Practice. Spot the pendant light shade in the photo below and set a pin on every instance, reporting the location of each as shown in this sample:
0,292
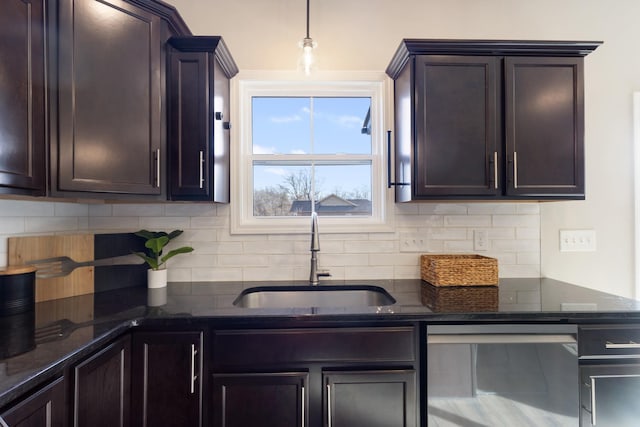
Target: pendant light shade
307,61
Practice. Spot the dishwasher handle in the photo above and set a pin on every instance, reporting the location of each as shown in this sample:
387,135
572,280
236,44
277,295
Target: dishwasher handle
501,339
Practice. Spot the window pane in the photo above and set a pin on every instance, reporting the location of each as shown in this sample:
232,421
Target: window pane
281,125
277,186
287,190
341,126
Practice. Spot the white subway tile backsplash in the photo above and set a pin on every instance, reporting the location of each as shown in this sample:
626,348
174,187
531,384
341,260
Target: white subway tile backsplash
71,209
12,225
191,210
120,223
527,233
50,224
467,220
442,209
150,210
513,230
492,208
516,221
166,223
20,208
100,210
370,246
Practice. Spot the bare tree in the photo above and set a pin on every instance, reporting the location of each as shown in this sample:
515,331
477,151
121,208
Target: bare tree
299,187
271,201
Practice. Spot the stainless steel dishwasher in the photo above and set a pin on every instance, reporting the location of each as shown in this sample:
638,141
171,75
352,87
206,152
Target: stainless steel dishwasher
502,375
610,375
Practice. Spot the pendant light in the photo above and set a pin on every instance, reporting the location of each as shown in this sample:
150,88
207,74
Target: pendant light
307,60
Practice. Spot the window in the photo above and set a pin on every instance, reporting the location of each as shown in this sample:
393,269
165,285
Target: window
308,146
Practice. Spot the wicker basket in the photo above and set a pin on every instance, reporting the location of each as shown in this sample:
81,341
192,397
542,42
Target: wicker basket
459,270
459,299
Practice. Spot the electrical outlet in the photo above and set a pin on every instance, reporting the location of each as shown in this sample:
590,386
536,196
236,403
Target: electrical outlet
577,240
410,242
480,240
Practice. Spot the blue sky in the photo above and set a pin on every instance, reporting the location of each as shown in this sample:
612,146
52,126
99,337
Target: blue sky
285,126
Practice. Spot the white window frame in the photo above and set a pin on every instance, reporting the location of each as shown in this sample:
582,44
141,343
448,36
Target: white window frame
246,85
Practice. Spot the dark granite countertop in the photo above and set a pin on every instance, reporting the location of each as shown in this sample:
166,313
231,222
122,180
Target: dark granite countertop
37,346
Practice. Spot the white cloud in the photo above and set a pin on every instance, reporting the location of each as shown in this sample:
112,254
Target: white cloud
258,149
276,171
285,119
298,151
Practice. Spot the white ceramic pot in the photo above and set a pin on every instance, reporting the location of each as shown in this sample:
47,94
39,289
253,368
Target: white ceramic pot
157,278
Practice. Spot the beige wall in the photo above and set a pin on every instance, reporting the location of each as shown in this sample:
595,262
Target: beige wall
363,34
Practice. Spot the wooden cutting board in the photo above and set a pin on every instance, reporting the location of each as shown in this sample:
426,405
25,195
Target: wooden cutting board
78,247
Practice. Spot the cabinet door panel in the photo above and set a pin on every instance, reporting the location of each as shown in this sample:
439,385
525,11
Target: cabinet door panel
456,125
167,388
544,121
260,400
198,119
22,96
189,124
371,399
102,392
109,97
44,408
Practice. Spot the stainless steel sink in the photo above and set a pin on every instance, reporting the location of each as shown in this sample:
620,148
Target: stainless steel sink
313,296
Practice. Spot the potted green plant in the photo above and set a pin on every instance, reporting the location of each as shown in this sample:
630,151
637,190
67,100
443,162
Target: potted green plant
156,241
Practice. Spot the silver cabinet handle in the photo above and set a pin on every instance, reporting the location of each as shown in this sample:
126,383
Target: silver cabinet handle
329,421
303,423
495,170
3,423
515,169
593,391
201,169
593,401
158,168
629,345
194,377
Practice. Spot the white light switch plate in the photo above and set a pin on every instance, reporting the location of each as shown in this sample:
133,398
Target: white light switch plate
410,242
577,240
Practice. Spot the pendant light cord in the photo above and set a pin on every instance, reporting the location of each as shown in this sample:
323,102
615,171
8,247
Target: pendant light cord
307,18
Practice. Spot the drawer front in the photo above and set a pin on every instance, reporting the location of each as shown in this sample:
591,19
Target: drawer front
277,346
606,341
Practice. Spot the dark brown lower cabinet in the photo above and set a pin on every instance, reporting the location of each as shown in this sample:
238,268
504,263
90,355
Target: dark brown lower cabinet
102,387
315,377
384,398
167,386
44,408
261,399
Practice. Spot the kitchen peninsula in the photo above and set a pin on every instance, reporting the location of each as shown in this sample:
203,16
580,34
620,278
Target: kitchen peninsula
200,316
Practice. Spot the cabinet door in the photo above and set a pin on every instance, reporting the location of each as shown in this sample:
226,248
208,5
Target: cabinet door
370,399
102,387
457,150
22,97
260,400
544,122
44,408
198,133
609,395
167,386
109,84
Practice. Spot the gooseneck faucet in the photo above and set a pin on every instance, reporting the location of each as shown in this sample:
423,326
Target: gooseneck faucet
315,248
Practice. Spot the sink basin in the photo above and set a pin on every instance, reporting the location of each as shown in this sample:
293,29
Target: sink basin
313,296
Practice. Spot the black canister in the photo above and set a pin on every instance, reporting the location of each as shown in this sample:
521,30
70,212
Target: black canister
17,290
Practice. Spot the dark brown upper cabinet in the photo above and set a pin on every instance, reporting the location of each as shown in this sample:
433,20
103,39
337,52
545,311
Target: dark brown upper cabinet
23,96
198,118
109,99
482,120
